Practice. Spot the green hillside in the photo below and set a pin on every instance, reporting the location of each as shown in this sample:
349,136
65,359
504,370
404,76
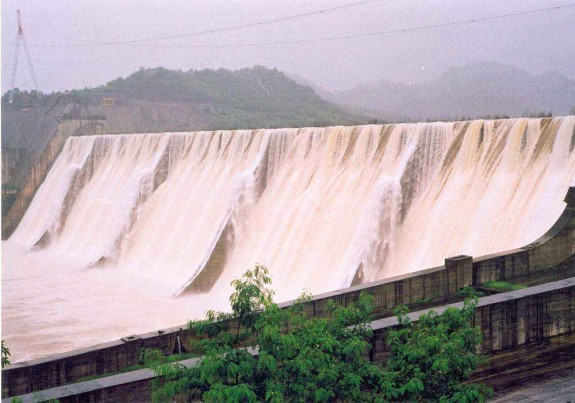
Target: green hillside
255,97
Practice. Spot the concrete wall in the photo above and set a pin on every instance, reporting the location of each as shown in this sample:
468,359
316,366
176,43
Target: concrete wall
29,129
439,284
436,286
10,159
510,320
69,367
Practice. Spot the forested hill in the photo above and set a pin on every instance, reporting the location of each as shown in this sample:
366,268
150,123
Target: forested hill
255,97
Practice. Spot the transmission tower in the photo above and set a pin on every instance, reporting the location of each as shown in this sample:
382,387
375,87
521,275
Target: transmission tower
21,39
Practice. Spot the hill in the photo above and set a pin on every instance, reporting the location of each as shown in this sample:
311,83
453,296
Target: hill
255,97
477,90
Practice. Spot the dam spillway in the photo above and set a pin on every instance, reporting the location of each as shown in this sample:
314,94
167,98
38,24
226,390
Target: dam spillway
323,208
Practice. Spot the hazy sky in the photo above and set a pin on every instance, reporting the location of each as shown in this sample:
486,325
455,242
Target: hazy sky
535,42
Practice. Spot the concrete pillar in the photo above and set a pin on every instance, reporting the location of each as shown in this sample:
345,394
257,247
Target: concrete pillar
459,271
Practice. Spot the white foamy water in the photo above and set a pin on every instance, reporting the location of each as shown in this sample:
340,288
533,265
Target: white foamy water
123,223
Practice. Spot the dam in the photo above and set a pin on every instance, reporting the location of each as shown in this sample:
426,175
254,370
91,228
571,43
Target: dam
130,233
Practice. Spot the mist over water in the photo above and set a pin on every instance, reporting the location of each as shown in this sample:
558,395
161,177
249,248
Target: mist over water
123,223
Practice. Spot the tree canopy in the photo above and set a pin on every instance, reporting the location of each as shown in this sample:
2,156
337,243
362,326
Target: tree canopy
301,358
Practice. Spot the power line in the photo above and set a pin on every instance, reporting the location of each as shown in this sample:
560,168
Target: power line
255,24
371,34
324,39
230,28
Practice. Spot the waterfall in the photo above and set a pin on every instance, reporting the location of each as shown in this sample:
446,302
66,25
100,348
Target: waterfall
319,206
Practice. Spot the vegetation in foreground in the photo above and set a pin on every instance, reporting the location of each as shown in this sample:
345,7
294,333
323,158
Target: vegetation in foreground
5,355
299,358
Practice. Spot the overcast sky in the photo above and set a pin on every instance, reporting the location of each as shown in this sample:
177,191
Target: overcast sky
534,42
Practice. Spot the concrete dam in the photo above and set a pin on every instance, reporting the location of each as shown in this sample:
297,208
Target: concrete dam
130,233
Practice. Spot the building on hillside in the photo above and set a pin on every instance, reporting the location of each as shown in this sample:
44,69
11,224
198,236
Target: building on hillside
107,101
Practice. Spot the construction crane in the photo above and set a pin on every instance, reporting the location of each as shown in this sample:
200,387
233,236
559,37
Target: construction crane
21,39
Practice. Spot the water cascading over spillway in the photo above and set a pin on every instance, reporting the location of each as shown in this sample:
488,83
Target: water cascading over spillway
321,207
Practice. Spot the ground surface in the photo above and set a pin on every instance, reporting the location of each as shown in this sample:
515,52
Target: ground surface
553,387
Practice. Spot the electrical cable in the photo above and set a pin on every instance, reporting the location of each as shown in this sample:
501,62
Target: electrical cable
324,39
234,27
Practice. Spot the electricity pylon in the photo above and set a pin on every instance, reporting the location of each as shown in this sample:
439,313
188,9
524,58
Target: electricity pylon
21,39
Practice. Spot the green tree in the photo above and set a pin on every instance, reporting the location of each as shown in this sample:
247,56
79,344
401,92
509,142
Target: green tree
5,355
430,358
319,359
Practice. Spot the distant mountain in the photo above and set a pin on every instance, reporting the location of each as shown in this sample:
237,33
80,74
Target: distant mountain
477,90
255,97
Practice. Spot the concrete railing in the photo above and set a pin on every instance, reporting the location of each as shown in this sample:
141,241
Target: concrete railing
439,284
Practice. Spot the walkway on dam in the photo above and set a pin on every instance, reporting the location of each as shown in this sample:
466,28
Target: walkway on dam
554,387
